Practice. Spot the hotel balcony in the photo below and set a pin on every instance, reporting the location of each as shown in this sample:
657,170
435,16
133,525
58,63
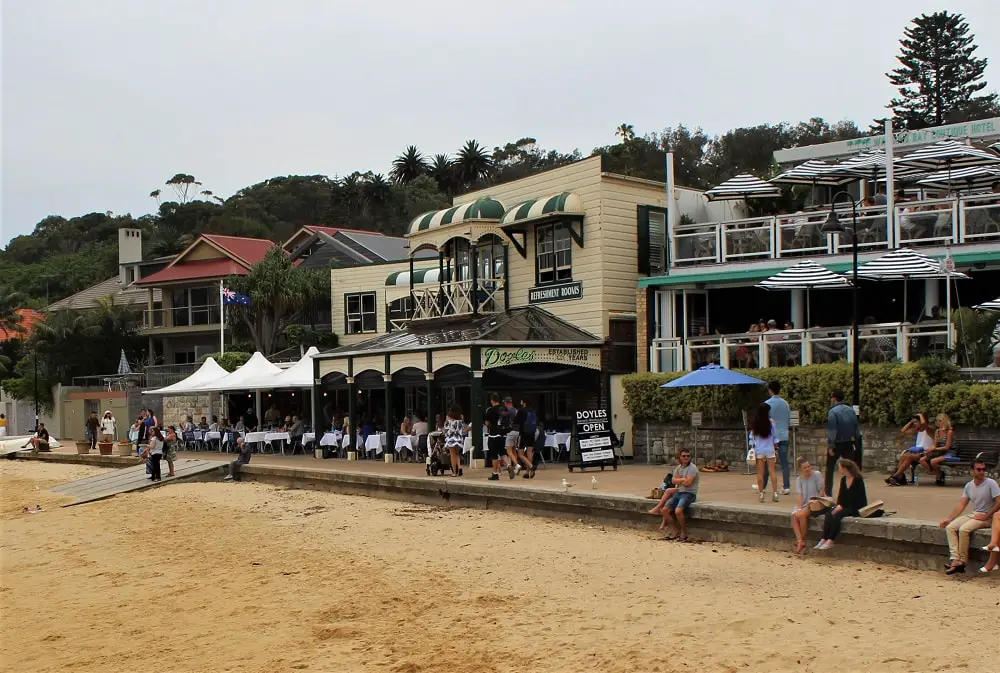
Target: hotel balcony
884,342
959,221
180,319
459,299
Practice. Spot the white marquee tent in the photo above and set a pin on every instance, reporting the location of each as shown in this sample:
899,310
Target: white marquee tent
299,375
256,374
209,371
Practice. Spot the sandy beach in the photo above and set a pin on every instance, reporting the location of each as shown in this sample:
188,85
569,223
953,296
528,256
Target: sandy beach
245,577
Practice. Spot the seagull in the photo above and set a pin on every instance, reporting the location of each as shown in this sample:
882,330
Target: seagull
566,485
593,482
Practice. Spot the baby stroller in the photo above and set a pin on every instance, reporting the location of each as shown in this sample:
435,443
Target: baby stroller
438,458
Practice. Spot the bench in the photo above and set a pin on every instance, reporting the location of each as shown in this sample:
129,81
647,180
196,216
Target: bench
969,450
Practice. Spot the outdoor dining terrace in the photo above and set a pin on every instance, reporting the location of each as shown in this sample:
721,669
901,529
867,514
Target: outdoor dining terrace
879,343
929,222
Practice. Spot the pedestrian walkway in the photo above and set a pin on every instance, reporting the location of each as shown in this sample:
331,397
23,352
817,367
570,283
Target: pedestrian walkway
113,482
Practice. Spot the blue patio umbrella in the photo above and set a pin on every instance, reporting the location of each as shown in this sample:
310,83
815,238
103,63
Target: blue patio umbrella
712,375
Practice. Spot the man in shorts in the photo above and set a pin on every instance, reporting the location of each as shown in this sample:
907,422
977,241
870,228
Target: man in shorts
809,485
512,437
686,483
494,435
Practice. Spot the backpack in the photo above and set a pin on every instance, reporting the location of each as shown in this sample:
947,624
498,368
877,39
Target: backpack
530,423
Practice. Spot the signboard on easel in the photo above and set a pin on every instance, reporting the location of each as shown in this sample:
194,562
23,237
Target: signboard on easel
593,441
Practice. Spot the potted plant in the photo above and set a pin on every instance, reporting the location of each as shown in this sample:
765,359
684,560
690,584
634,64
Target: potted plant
83,447
125,447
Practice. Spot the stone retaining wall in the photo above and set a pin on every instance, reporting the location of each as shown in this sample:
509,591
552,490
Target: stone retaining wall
882,446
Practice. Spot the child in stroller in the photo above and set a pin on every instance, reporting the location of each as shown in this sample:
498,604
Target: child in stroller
438,458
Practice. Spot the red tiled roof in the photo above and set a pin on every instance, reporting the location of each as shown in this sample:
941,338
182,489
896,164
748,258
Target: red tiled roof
201,269
249,250
333,230
29,317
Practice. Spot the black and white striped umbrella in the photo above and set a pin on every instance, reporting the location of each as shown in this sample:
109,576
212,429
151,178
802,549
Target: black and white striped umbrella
949,154
903,264
813,172
989,305
870,164
805,275
963,178
744,186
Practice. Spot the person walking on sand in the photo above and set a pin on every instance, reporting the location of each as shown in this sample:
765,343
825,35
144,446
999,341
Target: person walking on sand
763,434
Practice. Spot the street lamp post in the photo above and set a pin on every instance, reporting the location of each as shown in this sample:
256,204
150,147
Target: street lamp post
833,225
34,359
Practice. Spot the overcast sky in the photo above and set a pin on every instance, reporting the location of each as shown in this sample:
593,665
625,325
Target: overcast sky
104,100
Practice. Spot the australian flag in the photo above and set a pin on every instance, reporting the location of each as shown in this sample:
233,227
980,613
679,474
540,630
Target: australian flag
231,297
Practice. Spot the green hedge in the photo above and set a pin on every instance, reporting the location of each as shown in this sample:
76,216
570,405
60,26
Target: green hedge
890,393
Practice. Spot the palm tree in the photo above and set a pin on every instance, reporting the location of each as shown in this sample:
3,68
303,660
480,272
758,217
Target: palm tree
377,190
10,301
474,163
353,194
408,166
626,132
442,169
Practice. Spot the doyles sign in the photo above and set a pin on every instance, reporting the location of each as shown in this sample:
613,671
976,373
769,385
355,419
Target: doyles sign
542,295
593,440
589,358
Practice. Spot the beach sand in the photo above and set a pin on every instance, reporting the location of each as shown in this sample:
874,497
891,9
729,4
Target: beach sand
246,577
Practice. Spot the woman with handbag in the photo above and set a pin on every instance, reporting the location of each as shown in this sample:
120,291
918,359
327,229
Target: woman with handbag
809,486
763,435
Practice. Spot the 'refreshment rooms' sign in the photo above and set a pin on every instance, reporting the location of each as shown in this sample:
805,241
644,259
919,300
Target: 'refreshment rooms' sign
541,295
589,358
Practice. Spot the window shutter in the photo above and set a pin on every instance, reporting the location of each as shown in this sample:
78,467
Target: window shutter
642,221
652,239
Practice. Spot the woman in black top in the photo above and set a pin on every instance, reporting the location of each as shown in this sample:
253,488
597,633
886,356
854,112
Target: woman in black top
851,498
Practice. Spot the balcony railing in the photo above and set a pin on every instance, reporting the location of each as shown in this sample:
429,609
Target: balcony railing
969,219
181,316
458,298
884,342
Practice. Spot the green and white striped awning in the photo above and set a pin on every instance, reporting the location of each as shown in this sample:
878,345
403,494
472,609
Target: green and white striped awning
480,209
402,278
567,203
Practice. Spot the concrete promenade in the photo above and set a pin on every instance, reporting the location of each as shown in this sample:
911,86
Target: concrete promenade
727,509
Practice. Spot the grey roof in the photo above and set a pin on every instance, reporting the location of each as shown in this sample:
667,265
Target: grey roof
524,324
121,296
350,248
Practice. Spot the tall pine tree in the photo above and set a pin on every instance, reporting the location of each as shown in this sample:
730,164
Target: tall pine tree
939,75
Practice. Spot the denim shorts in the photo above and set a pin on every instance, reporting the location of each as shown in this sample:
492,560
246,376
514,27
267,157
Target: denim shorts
680,500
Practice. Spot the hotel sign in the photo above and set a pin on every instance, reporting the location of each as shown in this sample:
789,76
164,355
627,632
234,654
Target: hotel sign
562,292
589,358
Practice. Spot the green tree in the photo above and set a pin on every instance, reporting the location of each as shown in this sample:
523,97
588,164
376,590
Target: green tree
625,131
408,166
939,75
444,172
184,185
279,295
10,302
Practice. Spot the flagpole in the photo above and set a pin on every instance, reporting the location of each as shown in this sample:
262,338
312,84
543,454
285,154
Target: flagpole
222,321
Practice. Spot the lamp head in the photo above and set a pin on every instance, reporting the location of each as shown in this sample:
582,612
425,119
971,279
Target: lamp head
833,225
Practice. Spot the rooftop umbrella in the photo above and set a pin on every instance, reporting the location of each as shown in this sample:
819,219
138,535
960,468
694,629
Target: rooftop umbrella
993,305
123,368
744,186
969,178
869,164
813,172
712,375
805,275
948,155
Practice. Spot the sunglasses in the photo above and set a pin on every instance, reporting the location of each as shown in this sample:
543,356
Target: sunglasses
979,469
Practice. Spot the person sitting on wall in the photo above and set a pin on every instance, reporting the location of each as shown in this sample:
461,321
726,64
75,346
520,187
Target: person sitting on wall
983,494
685,479
40,442
809,486
244,450
851,499
993,546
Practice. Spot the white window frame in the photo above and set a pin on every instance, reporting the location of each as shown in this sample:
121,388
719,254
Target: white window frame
553,253
354,323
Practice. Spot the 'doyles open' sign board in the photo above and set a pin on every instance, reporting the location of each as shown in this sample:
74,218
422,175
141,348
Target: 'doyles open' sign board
593,441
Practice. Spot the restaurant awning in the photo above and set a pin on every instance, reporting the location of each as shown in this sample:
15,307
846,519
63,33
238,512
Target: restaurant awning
402,278
209,371
258,373
299,375
565,204
475,211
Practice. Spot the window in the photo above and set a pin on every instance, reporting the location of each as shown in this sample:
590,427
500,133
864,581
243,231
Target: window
179,301
398,313
623,346
554,253
359,313
490,255
184,357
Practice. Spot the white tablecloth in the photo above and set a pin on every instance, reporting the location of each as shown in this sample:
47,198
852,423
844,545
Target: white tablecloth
345,442
375,442
554,439
255,437
331,439
407,442
282,437
308,438
209,436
